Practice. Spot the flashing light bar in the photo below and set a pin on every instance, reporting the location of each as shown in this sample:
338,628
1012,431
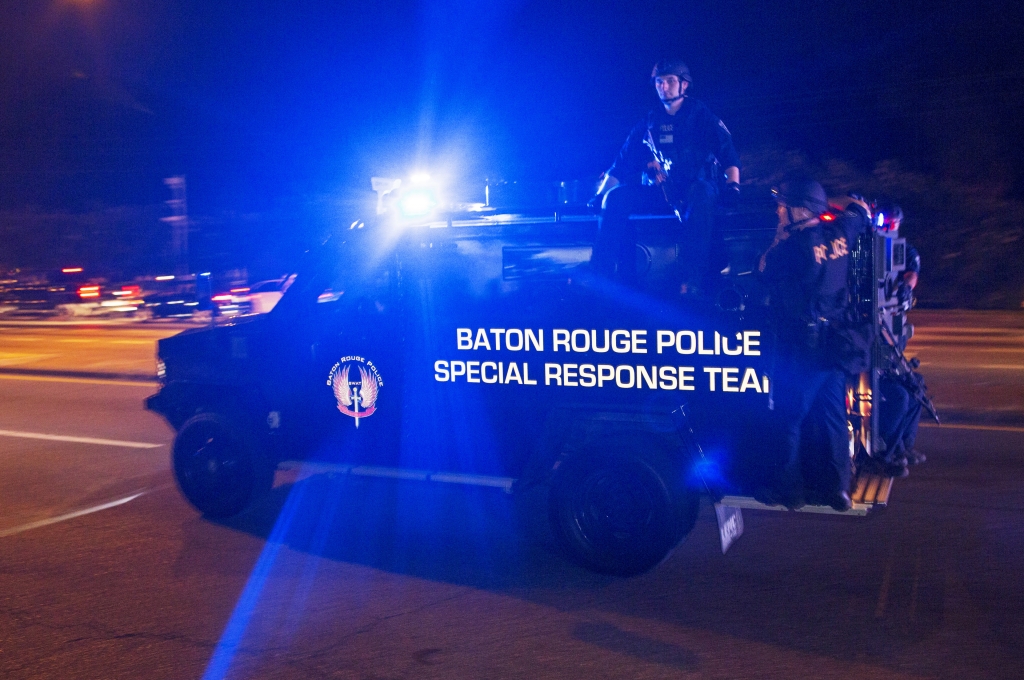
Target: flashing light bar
71,270
165,278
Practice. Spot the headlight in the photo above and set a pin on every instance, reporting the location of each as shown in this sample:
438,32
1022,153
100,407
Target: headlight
417,203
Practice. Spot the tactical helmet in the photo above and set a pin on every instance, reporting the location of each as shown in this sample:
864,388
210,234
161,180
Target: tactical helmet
672,67
888,217
802,194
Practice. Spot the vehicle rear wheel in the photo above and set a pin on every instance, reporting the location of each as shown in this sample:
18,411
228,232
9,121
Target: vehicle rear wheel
219,466
617,514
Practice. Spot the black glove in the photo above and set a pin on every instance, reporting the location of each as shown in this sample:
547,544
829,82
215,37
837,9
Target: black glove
904,293
731,194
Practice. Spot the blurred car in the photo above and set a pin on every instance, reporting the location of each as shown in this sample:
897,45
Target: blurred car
265,294
47,291
120,299
170,304
169,296
232,302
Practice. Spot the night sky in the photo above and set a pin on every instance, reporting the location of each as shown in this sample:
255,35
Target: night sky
265,102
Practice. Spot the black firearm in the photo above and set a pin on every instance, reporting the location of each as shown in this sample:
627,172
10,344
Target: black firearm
908,376
662,167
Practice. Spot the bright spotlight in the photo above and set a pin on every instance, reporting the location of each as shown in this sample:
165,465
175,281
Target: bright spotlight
417,203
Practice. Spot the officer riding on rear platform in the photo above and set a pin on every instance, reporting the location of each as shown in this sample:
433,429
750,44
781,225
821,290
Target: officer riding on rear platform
807,269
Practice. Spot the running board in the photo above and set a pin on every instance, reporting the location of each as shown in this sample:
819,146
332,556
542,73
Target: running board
870,491
318,468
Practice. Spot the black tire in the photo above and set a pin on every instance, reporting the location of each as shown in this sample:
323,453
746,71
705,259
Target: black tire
219,466
618,514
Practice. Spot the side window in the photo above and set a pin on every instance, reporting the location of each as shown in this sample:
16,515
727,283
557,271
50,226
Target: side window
376,284
542,262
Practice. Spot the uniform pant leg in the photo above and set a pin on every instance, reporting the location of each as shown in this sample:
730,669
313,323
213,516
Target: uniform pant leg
695,248
830,408
910,418
615,246
913,421
900,417
892,410
796,389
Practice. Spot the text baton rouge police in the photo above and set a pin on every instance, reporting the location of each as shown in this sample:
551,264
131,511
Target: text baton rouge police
657,375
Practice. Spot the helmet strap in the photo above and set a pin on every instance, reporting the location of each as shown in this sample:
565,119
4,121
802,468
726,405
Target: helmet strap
673,99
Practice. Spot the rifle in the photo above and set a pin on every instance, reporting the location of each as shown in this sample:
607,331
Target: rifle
662,166
905,370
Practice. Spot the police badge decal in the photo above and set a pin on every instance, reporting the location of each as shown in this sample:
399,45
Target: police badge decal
356,384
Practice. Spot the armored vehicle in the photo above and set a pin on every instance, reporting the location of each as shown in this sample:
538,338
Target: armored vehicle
476,347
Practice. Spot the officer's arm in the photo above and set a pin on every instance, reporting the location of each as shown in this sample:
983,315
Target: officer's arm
725,150
628,164
606,184
913,267
768,263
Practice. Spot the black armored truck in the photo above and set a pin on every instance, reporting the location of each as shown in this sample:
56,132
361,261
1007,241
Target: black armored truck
477,347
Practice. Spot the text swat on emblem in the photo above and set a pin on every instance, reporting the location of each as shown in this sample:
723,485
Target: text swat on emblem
356,384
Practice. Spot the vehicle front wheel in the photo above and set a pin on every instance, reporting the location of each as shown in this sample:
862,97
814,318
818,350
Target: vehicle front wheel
618,514
219,467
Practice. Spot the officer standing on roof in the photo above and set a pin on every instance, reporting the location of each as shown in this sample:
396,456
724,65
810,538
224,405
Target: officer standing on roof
671,162
807,269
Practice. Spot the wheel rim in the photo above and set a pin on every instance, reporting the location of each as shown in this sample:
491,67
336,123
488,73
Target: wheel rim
614,509
212,467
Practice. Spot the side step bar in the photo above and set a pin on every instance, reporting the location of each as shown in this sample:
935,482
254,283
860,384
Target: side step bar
869,491
318,468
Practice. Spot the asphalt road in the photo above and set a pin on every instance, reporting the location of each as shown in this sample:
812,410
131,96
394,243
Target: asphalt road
93,347
105,572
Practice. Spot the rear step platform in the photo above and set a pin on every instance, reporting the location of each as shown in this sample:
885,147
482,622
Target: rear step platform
869,491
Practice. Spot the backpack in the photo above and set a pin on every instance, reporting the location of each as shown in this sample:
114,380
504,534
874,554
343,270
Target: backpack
849,344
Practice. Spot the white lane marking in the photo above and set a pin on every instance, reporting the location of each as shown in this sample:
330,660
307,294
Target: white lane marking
988,428
79,440
71,515
983,367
